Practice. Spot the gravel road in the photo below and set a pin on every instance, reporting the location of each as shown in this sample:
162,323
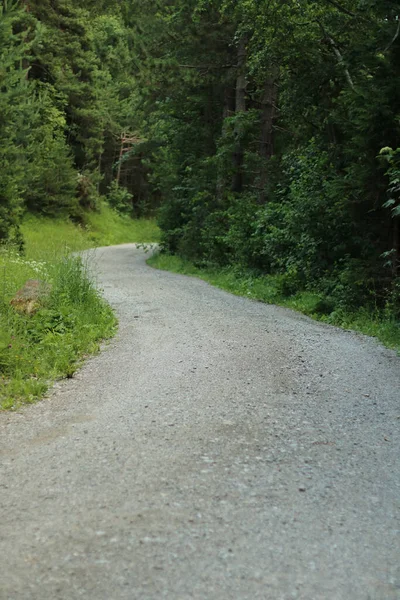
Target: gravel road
217,449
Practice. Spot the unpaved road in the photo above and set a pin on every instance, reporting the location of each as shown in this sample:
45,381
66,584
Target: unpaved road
217,449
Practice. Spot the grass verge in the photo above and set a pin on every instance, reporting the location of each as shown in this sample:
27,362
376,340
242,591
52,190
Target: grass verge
266,289
69,323
71,319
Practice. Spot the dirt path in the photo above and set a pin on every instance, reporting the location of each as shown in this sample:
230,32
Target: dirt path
217,449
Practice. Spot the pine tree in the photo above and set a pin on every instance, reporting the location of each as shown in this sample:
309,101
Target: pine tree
13,88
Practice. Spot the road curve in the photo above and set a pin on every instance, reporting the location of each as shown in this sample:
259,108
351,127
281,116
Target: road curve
217,449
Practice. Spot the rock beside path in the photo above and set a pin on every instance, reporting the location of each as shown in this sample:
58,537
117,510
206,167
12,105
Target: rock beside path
29,298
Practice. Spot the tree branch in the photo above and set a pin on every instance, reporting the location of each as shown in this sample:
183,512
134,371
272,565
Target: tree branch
341,8
339,56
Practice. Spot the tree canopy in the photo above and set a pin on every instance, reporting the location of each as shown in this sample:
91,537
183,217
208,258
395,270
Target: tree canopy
268,132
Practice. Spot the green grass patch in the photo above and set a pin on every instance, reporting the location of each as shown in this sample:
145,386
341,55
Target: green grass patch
268,289
48,239
72,319
108,228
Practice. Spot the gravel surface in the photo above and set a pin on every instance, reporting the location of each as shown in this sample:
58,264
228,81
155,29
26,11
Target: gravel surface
217,449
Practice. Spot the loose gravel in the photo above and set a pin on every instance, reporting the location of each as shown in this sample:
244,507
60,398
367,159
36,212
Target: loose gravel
217,449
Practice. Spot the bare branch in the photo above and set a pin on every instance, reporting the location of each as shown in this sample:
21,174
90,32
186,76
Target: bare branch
279,128
396,35
208,67
340,59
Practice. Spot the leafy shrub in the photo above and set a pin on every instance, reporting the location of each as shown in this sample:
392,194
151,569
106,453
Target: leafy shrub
119,198
307,226
244,234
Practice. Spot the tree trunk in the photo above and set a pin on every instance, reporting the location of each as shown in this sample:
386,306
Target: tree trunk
240,107
227,111
229,101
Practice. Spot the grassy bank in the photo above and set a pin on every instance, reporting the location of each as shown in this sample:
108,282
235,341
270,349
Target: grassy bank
70,318
267,289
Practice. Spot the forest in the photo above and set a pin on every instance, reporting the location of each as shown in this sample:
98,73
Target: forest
264,133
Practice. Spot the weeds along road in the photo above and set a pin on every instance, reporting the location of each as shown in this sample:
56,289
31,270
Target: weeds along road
217,449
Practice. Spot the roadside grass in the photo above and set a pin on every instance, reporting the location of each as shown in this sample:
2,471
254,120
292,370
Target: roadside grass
72,319
69,323
267,289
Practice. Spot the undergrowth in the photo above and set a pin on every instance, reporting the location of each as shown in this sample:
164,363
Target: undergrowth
269,289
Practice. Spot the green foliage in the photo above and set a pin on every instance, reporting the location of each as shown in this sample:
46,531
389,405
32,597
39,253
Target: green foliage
257,126
67,93
63,56
307,227
49,239
392,157
107,227
50,179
